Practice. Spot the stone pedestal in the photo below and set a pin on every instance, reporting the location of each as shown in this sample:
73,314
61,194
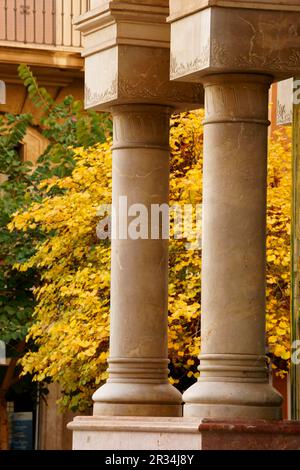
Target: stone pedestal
186,434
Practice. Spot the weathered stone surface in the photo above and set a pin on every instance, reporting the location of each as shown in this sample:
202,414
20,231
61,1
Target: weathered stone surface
240,39
132,74
179,9
236,49
127,57
127,70
103,433
256,435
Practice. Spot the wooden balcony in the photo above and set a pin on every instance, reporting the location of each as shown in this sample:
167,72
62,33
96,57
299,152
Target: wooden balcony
41,32
41,24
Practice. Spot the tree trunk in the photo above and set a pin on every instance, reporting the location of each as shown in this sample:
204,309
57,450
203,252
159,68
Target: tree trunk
4,432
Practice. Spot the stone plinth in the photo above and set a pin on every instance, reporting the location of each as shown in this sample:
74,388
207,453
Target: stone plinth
243,435
107,433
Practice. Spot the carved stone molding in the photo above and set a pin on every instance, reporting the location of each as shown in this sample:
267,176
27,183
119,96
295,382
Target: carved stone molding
138,75
237,99
141,125
221,57
93,98
137,23
234,379
127,56
181,69
144,74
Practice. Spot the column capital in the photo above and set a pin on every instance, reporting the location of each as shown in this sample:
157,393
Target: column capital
234,36
130,22
137,125
233,98
127,57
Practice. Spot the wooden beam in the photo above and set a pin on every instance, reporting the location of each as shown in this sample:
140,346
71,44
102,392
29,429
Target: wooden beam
62,59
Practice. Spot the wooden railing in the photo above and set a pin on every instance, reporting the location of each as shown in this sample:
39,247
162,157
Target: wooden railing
41,23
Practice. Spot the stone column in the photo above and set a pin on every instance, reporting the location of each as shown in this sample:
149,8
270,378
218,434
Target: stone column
236,52
234,378
127,64
138,365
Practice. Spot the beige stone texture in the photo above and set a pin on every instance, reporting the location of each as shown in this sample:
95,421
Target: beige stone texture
111,433
179,8
127,57
132,40
183,434
228,40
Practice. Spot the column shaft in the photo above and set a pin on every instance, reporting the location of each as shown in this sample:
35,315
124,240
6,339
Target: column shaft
234,379
138,365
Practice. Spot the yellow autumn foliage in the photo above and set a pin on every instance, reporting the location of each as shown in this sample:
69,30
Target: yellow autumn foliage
71,320
278,249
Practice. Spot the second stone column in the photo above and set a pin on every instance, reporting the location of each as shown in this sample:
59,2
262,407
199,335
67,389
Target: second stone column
234,378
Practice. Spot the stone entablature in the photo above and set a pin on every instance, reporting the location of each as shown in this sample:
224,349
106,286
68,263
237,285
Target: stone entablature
127,57
179,8
129,23
238,39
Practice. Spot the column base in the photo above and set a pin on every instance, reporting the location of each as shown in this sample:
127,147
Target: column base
232,412
128,409
120,433
232,400
136,399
